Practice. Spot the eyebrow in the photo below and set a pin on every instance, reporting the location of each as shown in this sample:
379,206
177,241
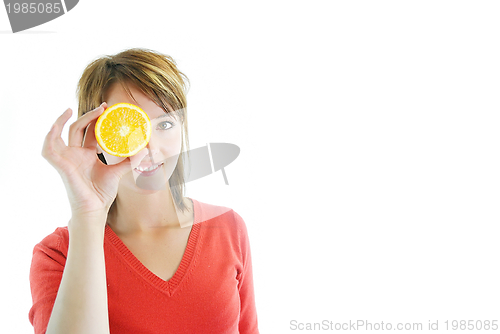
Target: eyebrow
166,115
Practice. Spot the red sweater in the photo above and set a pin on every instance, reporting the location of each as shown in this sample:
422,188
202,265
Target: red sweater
211,291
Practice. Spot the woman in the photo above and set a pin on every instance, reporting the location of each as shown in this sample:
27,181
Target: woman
137,256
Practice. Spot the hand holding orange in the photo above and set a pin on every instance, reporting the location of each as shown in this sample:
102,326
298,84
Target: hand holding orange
123,130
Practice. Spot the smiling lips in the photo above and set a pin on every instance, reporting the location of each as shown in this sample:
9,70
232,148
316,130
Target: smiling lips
148,170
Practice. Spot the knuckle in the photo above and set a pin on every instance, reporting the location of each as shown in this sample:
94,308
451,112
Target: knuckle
47,151
73,126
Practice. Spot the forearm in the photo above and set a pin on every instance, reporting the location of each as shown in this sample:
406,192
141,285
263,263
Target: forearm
81,305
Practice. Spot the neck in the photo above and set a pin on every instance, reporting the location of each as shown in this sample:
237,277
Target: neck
152,213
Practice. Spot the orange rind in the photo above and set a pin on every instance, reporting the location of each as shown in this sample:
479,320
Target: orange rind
123,130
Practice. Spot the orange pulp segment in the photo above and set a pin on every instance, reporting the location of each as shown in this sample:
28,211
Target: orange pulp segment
123,130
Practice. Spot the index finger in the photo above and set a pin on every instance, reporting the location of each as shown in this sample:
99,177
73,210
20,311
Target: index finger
76,130
53,140
58,125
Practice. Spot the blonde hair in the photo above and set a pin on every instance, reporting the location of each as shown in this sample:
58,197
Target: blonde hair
154,74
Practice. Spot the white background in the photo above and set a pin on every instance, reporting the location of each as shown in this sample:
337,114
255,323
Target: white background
369,168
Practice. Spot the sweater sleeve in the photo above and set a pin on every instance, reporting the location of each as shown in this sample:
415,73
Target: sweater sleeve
248,313
47,266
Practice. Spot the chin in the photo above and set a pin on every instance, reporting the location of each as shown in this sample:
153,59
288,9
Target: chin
153,183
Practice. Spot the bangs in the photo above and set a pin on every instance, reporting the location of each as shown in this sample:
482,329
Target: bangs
126,77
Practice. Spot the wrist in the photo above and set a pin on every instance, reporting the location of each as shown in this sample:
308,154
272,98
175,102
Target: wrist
87,223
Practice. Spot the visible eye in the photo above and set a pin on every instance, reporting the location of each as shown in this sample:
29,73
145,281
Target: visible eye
165,125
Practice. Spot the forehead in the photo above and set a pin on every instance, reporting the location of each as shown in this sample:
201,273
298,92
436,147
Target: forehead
117,94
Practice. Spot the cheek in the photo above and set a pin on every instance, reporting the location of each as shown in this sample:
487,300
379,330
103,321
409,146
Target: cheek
170,151
171,143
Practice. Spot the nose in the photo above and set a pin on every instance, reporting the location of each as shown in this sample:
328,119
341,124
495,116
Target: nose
152,147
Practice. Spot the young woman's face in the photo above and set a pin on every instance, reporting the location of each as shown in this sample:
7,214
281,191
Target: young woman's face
152,167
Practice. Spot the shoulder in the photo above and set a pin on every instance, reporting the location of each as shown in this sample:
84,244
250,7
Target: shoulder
221,220
216,214
204,212
56,241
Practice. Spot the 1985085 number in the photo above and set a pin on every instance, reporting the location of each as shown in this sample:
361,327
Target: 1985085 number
472,325
34,8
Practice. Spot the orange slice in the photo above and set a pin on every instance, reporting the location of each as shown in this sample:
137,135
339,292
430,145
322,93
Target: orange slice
123,130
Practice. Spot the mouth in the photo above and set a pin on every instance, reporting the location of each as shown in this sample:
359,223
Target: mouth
147,171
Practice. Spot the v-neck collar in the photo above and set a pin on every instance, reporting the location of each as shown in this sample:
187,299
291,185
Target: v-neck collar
169,286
